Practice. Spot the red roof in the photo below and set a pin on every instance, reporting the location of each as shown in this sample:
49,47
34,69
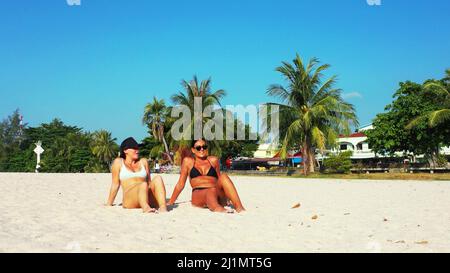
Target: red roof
357,134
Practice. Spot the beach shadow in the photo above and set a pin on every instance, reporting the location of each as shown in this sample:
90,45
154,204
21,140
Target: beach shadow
176,205
169,208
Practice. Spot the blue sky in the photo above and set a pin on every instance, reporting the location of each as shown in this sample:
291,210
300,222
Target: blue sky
96,65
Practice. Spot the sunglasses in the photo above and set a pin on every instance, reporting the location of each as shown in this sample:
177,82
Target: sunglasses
199,148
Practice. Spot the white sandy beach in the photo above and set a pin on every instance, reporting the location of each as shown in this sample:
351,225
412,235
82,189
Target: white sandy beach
65,213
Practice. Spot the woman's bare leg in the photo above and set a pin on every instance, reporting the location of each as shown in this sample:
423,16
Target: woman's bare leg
137,197
212,201
226,189
143,198
158,193
207,198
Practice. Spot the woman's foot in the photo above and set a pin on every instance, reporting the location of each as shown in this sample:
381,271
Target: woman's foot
162,209
237,209
148,209
224,210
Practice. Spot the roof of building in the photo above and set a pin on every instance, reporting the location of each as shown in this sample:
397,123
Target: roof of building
357,134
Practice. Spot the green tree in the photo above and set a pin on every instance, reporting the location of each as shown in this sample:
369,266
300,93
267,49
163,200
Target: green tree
234,148
67,154
186,98
390,135
437,92
67,148
2,153
104,147
11,130
338,163
11,138
95,166
312,112
155,115
151,148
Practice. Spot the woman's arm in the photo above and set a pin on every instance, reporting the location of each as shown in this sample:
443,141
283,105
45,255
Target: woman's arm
216,164
115,185
147,169
181,181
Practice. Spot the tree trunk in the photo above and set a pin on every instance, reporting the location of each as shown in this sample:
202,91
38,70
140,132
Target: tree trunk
305,155
312,160
434,158
166,147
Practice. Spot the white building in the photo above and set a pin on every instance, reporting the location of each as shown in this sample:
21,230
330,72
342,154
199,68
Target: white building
266,150
357,143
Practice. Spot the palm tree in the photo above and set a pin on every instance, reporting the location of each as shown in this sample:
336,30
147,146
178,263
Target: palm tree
439,91
155,115
192,90
313,112
103,146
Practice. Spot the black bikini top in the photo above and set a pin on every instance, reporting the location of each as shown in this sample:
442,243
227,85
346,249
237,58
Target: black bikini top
195,172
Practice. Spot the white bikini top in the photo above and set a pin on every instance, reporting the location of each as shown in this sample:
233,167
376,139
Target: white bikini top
125,174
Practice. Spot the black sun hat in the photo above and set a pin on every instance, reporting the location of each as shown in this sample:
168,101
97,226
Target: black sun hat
129,143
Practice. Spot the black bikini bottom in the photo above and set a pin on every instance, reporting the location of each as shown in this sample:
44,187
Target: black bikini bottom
201,188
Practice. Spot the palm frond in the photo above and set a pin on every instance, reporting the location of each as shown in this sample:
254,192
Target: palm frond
438,117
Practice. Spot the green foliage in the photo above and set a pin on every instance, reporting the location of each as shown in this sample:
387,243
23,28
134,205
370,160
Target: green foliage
313,112
235,148
438,93
393,131
151,148
192,90
157,118
441,160
67,152
225,148
338,163
11,132
104,147
94,166
11,139
67,148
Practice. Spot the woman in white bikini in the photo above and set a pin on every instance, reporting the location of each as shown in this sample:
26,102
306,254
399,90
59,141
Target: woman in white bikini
133,174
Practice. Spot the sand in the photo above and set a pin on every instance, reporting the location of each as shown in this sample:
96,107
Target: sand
65,213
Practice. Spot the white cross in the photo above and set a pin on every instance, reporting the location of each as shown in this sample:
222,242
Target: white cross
38,150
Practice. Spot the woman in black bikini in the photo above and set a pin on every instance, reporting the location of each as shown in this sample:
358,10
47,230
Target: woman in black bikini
210,188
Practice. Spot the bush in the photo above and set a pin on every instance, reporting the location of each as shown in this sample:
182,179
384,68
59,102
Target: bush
338,163
441,160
